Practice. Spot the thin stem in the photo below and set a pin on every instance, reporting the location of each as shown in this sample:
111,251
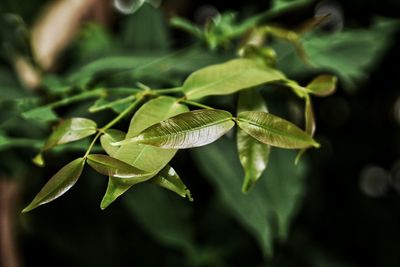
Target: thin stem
77,98
195,104
168,91
110,104
111,123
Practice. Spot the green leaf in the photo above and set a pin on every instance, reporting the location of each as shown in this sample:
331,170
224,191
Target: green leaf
253,154
275,131
323,85
190,129
113,167
71,130
60,183
41,114
145,157
228,78
111,136
170,180
268,209
283,5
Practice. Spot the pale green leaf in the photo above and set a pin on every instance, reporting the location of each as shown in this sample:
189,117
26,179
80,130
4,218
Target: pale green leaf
145,157
269,208
228,78
170,180
111,136
117,169
253,154
60,183
71,130
310,125
323,85
275,131
190,129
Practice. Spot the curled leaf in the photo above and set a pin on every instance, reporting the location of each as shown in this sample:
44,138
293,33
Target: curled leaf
189,129
273,130
111,136
116,168
60,183
323,85
169,179
310,125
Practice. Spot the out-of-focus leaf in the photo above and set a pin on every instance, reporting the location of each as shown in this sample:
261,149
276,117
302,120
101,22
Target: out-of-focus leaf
145,157
273,130
186,25
60,183
253,154
350,53
71,130
228,77
268,209
323,85
117,106
111,136
190,129
42,114
120,170
310,124
282,5
170,180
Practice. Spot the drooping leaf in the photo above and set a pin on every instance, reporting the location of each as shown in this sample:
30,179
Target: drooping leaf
273,130
170,180
190,129
145,157
60,183
71,130
120,170
268,209
310,125
229,77
323,85
111,136
253,154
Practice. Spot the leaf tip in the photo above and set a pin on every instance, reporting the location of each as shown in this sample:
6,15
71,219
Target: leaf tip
38,160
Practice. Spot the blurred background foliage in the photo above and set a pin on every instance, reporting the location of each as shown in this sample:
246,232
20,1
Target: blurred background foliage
339,207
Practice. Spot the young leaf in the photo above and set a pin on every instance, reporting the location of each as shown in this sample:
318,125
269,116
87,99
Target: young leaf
323,85
275,131
60,183
190,129
111,136
228,78
71,130
310,125
253,154
145,157
118,169
170,180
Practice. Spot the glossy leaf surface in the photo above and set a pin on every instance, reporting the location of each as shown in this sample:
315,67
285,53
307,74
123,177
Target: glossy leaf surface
111,136
253,154
60,183
228,78
118,169
323,85
189,129
275,131
170,180
145,157
71,130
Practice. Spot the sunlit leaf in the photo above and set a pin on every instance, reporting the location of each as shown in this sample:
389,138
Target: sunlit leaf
229,77
118,169
144,157
268,209
170,180
253,154
111,136
190,129
60,183
323,85
71,130
275,131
